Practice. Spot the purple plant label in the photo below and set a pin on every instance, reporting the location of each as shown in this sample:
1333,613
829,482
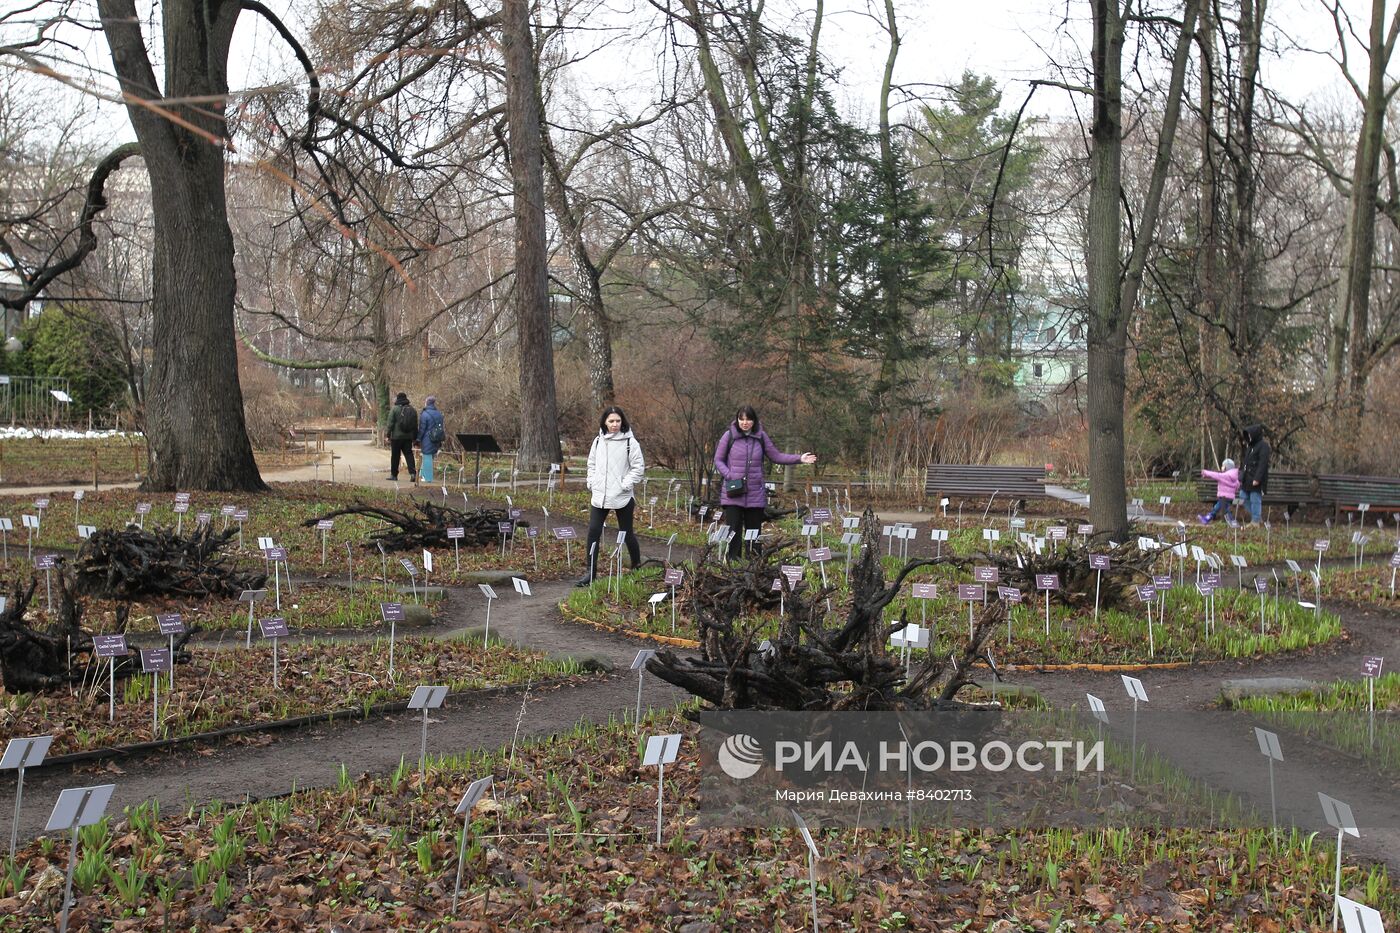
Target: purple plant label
276,553
792,571
1047,581
565,533
143,508
325,524
515,513
1162,581
1321,544
532,532
202,518
182,497
924,590
674,576
504,527
1261,585
155,660
819,554
1098,562
1085,530
1211,578
986,574
228,509
971,592
45,561
1009,594
170,623
275,627
456,534
1371,666
1057,532
1395,559
1146,593
391,612
240,515
109,646
1204,587
409,566
822,515
180,508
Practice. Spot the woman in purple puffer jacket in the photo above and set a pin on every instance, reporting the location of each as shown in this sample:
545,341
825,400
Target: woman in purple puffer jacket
739,460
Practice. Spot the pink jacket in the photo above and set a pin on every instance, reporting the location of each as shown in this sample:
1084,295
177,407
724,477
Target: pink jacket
1227,484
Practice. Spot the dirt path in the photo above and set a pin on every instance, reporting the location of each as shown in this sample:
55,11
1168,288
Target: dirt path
312,757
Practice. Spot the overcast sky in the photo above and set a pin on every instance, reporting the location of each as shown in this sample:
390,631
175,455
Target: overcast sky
1013,40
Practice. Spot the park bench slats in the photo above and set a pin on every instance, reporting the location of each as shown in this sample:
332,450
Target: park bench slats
956,479
1345,491
1285,488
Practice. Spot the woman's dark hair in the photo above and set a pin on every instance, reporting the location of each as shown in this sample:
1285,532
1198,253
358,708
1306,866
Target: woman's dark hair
612,410
746,411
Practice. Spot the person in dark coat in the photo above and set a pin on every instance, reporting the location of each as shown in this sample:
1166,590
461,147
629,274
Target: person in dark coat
403,431
1254,476
432,434
739,459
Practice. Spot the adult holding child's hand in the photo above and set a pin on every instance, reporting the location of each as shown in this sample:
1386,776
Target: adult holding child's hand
739,457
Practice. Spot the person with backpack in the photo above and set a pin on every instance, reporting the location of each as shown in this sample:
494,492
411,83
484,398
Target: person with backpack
615,465
1254,477
739,460
432,434
403,430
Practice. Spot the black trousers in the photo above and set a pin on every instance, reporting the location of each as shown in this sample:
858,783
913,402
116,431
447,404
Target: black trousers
596,517
404,448
739,518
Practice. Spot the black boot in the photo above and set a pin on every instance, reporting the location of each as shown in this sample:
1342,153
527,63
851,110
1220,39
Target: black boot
584,581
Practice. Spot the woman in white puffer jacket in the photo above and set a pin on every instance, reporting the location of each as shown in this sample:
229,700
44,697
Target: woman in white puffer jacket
615,465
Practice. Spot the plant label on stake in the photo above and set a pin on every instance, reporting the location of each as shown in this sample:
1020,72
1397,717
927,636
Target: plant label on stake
522,587
156,661
251,597
411,569
1139,693
324,526
1358,918
425,698
1371,669
170,625
31,524
971,593
1012,597
1261,586
1047,582
1340,818
566,534
110,647
6,526
819,556
660,751
455,535
938,536
812,856
1147,595
75,808
923,592
20,754
1100,714
639,664
464,809
674,577
274,628
393,614
1098,563
1269,748
490,594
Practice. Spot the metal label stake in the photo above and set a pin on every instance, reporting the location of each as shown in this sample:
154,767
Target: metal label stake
76,807
20,754
425,698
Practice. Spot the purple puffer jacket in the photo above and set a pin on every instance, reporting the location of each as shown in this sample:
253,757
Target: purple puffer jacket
738,454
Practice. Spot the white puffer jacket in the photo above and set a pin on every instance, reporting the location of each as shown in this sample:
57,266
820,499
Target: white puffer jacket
615,465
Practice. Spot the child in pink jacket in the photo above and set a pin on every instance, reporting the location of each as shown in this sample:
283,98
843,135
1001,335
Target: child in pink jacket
1227,486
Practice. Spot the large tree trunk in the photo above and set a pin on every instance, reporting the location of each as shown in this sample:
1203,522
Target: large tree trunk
539,419
194,404
1108,488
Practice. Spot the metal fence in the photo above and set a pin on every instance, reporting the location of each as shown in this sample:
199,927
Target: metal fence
38,401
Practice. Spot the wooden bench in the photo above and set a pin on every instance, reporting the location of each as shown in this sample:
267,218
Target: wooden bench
1010,482
1345,492
1289,490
